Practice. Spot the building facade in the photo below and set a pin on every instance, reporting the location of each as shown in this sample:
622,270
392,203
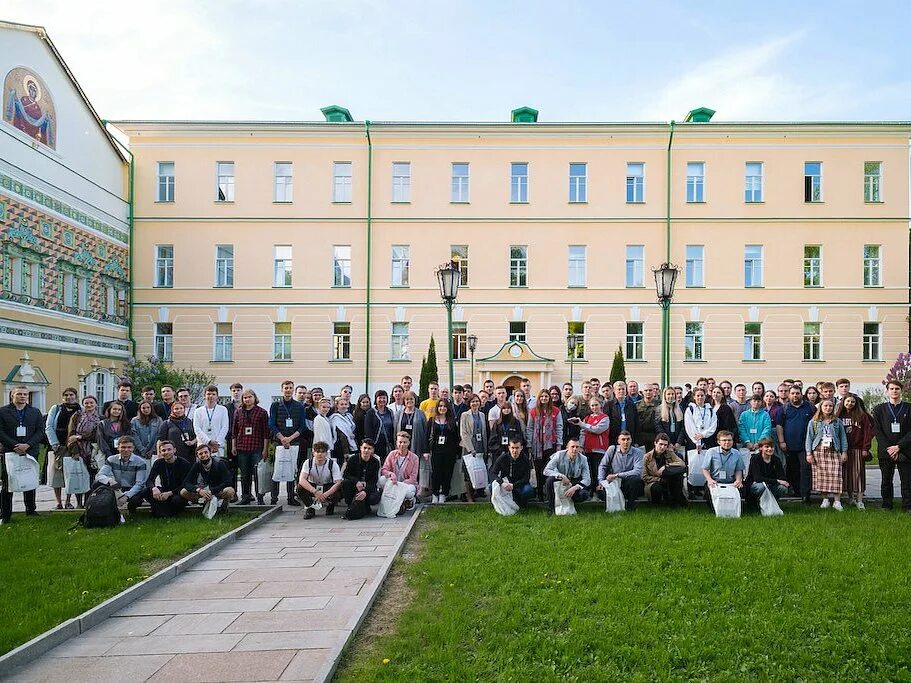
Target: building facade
64,229
273,250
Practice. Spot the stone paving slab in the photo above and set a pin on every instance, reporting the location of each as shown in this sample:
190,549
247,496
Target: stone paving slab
277,605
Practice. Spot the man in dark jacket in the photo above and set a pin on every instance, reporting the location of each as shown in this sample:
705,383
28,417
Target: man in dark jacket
286,422
362,472
512,471
208,478
21,432
892,426
165,482
623,415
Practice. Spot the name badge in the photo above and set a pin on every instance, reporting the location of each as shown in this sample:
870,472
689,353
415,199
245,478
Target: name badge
504,441
117,443
896,428
248,431
289,422
827,442
185,436
753,431
20,430
477,436
723,474
409,427
319,489
441,441
209,429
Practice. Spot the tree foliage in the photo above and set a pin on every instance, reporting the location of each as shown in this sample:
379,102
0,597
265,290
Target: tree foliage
153,372
618,369
429,371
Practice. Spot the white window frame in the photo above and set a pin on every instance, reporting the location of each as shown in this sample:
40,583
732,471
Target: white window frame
814,184
283,183
281,342
694,340
165,185
518,336
460,186
873,184
224,267
459,340
401,265
401,182
518,266
812,341
872,342
635,184
341,266
812,266
576,265
694,266
164,266
518,182
163,342
400,341
578,184
637,264
635,341
341,341
873,265
342,182
576,327
82,293
695,182
750,262
282,266
754,184
224,182
754,339
456,250
69,290
223,343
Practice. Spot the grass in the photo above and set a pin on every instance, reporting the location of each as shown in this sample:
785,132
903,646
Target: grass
49,574
652,595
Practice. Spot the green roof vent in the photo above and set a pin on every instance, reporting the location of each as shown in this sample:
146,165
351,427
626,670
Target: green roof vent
524,115
336,114
701,115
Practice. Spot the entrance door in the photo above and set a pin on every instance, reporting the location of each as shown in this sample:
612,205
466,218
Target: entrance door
511,383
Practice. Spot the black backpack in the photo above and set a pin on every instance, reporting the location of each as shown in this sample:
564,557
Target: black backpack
101,508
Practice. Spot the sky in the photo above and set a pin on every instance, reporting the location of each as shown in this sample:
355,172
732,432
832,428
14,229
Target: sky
471,60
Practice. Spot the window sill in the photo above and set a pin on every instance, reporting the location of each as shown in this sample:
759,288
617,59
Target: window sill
753,360
402,202
459,202
337,202
629,202
635,286
761,201
222,286
164,201
874,286
399,286
278,360
878,202
754,287
281,286
340,287
275,201
819,202
583,202
872,360
399,360
702,202
694,360
577,360
221,362
223,201
634,360
694,286
340,360
808,360
577,286
162,286
813,287
518,202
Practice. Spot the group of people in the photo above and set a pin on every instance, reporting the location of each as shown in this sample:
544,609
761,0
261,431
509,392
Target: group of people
167,452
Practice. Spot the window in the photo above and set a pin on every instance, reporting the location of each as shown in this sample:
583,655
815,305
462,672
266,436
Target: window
82,293
341,182
224,180
634,341
284,182
401,182
283,266
164,341
871,341
752,341
812,265
635,265
873,178
399,341
812,181
460,181
518,184
692,342
695,182
341,341
400,264
517,331
115,300
341,265
518,266
635,183
460,252
224,342
811,341
752,265
459,340
577,329
577,183
695,265
165,182
752,192
576,265
164,265
25,277
281,341
872,265
69,290
224,265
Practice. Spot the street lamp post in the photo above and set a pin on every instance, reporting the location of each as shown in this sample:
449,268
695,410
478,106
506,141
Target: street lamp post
665,279
472,345
448,277
572,342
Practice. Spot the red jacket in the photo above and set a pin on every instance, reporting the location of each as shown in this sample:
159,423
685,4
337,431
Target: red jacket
596,436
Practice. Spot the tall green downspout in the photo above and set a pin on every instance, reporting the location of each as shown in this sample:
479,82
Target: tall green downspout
129,245
666,306
369,253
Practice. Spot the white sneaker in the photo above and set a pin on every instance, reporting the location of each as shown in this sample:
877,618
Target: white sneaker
442,499
837,505
860,504
434,499
825,503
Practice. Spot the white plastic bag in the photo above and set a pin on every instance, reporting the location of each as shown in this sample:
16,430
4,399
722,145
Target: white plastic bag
211,507
75,476
391,501
285,462
502,500
613,496
264,477
726,500
563,505
477,470
21,472
694,475
768,505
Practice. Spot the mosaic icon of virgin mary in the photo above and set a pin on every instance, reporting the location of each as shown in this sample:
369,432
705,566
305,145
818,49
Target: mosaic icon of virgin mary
29,106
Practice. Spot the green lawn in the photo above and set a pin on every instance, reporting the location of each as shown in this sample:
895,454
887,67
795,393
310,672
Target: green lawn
49,574
652,595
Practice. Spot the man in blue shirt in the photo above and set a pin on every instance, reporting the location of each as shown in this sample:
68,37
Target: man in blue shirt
722,465
286,422
791,425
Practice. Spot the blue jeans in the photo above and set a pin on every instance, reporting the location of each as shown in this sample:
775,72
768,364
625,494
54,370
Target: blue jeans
757,489
522,494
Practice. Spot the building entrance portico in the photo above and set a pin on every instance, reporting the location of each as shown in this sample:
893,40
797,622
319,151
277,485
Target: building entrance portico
514,361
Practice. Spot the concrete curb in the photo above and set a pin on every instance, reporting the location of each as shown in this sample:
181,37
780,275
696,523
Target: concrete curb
50,639
325,674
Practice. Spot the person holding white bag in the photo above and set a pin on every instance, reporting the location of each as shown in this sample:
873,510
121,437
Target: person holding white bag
567,467
55,428
208,478
512,471
766,470
722,464
623,462
401,467
21,431
286,421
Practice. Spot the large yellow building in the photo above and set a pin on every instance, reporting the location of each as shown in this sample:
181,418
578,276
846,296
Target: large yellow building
266,250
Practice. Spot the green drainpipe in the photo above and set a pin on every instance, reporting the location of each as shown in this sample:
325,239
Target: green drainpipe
666,307
670,141
369,253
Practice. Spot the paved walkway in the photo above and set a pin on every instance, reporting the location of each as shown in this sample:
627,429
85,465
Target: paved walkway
270,607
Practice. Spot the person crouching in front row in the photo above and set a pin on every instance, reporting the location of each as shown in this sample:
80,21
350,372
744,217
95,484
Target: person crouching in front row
208,477
361,476
320,481
664,473
512,471
126,472
623,462
165,481
722,464
573,471
401,467
766,469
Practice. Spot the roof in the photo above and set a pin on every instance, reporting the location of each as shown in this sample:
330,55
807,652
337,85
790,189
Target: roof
41,32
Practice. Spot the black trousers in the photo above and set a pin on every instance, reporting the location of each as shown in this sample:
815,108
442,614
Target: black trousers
306,498
887,467
349,491
165,508
539,466
582,495
668,490
594,459
799,470
6,497
631,487
441,467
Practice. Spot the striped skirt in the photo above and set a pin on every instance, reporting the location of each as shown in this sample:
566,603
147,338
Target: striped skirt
854,473
826,470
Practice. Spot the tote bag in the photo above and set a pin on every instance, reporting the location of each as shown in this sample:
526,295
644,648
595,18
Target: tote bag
613,496
285,461
477,470
391,501
75,476
768,506
502,500
726,500
562,504
21,472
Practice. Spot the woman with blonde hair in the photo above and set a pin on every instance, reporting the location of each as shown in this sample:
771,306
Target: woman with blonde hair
669,420
827,449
